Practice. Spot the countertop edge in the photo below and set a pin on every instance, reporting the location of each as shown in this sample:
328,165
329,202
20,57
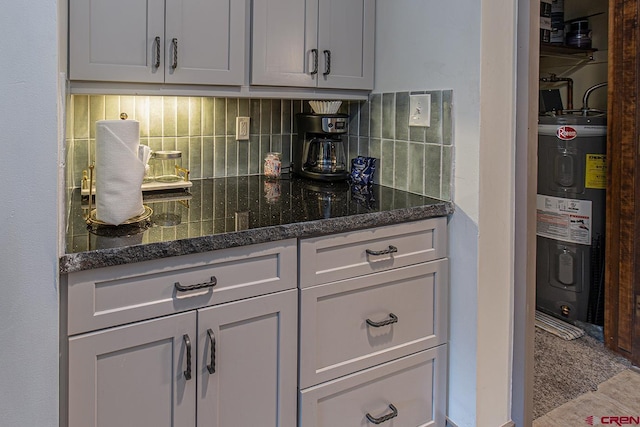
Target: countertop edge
74,262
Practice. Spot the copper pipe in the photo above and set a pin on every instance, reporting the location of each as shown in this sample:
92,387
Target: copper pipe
553,79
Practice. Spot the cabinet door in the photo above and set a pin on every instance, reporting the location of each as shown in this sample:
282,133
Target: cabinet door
346,37
210,40
251,348
115,40
284,34
134,375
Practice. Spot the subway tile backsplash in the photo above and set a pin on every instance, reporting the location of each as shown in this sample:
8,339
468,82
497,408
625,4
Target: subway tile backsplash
415,159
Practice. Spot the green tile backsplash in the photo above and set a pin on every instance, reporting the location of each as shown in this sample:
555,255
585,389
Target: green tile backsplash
415,159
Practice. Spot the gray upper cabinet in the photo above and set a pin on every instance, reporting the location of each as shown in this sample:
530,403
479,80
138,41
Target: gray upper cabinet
186,42
313,43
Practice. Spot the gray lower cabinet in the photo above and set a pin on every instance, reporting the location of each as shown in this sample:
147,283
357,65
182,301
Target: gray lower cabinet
206,340
407,392
227,365
371,319
215,339
134,375
373,327
247,362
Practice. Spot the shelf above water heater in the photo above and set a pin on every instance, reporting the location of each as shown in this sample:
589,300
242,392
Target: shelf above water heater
567,58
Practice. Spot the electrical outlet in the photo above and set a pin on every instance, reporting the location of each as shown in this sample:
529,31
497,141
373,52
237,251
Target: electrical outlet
242,128
420,110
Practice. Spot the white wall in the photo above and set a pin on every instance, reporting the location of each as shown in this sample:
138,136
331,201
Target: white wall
468,46
28,253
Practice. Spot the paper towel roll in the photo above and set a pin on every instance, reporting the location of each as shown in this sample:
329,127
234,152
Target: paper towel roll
119,171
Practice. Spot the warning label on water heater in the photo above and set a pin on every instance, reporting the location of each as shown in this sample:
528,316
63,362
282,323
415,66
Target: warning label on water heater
568,220
595,173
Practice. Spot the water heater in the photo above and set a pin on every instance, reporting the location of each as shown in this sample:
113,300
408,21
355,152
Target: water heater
571,216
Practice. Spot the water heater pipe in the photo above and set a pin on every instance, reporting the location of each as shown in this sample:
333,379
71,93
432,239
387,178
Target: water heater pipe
553,79
585,97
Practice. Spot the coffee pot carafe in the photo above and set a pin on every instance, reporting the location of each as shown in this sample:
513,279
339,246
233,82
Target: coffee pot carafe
319,152
324,155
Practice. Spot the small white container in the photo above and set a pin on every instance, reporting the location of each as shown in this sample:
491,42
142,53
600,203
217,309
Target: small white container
272,165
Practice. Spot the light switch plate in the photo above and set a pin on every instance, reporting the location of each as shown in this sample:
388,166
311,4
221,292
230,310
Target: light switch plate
420,110
242,128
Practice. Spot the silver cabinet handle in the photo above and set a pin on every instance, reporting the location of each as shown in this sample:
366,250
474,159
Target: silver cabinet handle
380,420
392,249
315,61
174,43
157,42
391,320
327,70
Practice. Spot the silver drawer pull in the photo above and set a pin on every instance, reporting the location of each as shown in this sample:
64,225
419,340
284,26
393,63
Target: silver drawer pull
392,249
392,319
393,414
210,284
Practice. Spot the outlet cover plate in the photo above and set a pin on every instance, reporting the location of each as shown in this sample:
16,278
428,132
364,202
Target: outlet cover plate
242,128
420,110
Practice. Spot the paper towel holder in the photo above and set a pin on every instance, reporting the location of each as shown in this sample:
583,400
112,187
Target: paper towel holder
143,220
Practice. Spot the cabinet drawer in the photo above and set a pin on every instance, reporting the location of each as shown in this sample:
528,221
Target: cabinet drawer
415,385
343,325
331,258
122,294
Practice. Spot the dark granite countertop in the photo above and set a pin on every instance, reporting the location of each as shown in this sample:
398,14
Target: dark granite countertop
227,212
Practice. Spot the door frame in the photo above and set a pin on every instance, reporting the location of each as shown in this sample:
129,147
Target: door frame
526,166
622,235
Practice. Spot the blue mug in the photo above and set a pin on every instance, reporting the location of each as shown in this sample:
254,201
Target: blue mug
362,170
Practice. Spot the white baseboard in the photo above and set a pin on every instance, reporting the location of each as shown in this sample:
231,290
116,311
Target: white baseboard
450,423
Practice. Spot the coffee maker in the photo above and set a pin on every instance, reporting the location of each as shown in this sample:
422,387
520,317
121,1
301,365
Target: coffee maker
319,152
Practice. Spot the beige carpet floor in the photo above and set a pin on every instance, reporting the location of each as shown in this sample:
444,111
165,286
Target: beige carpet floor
566,370
618,396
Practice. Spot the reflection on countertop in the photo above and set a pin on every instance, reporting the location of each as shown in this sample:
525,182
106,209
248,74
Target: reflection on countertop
225,212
